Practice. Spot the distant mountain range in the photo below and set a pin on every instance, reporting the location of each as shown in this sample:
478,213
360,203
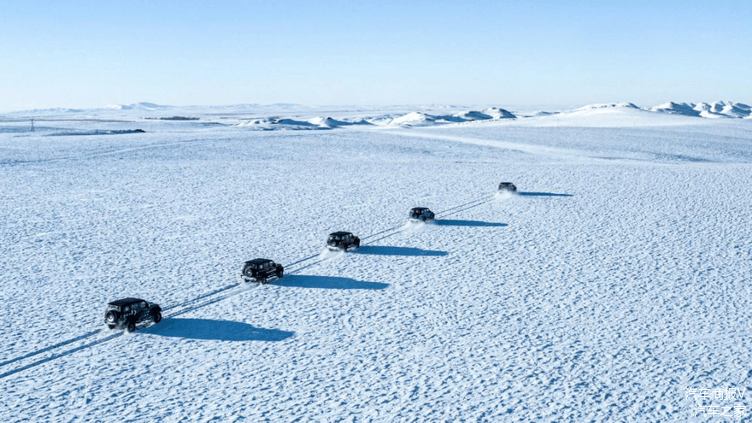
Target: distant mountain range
420,114
718,109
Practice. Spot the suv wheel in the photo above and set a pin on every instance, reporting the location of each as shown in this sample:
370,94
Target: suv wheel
157,317
111,326
131,327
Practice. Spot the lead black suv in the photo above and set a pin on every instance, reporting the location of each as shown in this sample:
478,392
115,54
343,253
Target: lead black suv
507,187
342,241
261,270
421,213
129,312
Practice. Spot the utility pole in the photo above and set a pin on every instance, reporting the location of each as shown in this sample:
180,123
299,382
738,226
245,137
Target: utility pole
32,124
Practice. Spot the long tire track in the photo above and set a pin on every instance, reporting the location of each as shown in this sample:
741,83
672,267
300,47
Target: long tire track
201,297
108,152
227,291
62,354
51,347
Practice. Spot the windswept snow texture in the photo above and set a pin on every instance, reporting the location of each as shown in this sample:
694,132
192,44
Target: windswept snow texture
618,277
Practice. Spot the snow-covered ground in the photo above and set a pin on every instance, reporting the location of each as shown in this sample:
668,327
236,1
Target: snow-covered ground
617,278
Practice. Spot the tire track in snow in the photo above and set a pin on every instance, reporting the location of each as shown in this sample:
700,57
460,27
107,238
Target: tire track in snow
187,306
578,155
60,355
51,347
105,153
525,148
200,297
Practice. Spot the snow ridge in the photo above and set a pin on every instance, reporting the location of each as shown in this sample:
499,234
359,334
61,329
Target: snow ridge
404,120
606,106
420,118
714,110
319,122
137,106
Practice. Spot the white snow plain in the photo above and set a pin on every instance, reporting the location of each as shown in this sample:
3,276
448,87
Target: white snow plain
615,280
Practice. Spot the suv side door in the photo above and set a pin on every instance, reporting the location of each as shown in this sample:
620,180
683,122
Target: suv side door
140,310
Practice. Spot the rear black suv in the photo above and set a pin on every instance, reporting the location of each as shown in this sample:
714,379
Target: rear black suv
261,270
129,312
421,213
342,241
507,187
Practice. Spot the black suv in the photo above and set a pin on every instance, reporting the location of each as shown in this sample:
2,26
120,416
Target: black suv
507,186
421,213
342,241
129,312
261,270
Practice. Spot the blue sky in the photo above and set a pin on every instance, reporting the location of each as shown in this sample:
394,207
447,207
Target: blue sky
94,53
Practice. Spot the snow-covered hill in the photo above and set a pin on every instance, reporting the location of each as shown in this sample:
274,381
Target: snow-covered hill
718,109
414,118
605,106
296,117
401,120
497,113
145,106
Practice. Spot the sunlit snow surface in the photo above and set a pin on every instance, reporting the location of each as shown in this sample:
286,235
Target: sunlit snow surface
618,276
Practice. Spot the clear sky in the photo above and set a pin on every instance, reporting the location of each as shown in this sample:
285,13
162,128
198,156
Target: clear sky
94,53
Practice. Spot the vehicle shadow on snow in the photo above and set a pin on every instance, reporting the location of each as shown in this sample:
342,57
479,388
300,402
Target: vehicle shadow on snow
542,194
327,282
451,222
215,330
384,250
